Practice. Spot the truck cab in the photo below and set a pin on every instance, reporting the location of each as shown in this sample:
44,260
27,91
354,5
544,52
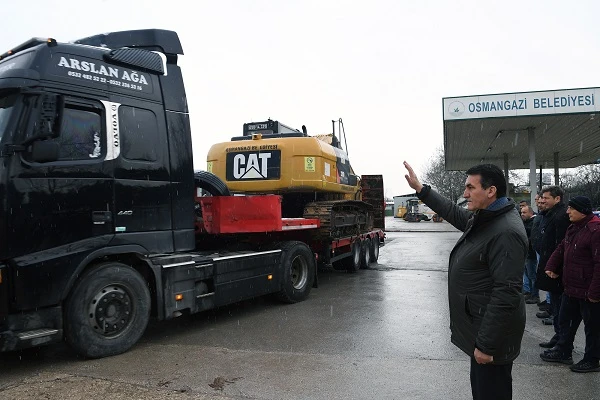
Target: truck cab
96,161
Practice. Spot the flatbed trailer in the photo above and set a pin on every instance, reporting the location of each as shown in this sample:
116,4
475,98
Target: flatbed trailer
247,215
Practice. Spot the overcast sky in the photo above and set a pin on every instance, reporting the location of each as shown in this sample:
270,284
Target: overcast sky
383,66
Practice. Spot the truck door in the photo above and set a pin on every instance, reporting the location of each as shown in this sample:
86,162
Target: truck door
142,176
62,209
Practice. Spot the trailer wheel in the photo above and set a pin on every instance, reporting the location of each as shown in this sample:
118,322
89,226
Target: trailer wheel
365,253
107,311
211,183
352,263
298,266
374,249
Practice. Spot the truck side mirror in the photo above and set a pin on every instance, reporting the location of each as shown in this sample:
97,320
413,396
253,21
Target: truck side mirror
50,117
44,151
50,111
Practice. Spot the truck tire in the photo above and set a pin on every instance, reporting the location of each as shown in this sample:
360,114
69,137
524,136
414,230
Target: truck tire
107,311
352,263
211,183
298,266
374,249
365,253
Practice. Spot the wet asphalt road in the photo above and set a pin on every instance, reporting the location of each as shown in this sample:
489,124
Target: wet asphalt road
379,334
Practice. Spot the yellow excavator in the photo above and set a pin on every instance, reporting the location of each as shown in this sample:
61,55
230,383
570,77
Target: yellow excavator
312,174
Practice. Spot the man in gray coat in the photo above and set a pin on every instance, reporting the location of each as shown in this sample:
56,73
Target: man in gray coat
485,277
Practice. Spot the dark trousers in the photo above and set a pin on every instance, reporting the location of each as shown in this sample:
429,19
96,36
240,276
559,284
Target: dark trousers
555,303
491,382
572,312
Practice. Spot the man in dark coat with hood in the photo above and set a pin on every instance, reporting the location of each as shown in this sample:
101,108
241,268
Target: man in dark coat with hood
485,277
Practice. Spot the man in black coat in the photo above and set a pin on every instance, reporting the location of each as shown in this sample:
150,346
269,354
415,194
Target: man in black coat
552,229
485,277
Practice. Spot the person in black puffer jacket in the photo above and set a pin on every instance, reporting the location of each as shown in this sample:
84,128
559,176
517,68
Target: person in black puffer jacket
485,277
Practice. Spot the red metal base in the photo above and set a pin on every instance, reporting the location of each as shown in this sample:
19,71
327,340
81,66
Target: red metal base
246,214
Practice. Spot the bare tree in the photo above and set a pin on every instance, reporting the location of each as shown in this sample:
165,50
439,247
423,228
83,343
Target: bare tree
569,179
449,184
583,181
518,182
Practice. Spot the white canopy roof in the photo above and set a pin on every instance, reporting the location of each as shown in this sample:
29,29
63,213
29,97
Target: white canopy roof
494,128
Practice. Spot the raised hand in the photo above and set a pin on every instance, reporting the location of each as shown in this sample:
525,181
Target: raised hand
412,179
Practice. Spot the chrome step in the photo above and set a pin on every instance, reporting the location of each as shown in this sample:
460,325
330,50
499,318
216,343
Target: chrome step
36,333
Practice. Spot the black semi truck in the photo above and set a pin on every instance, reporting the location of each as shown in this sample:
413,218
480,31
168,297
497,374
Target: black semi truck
104,222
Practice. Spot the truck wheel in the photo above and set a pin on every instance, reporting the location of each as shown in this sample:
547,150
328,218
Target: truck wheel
211,183
107,311
374,250
298,267
365,253
352,263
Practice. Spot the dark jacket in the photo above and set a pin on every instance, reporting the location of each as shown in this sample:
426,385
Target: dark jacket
536,234
485,277
577,259
528,225
552,229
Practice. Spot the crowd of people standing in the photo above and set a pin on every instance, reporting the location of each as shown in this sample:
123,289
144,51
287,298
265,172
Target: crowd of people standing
564,261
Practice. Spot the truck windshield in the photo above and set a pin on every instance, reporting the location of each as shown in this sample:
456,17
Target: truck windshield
7,103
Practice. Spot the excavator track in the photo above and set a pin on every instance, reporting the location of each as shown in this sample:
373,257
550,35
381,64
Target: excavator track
341,218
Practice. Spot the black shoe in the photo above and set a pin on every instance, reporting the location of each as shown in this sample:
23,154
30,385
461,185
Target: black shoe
555,348
548,321
543,304
556,356
549,344
586,366
532,300
542,314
